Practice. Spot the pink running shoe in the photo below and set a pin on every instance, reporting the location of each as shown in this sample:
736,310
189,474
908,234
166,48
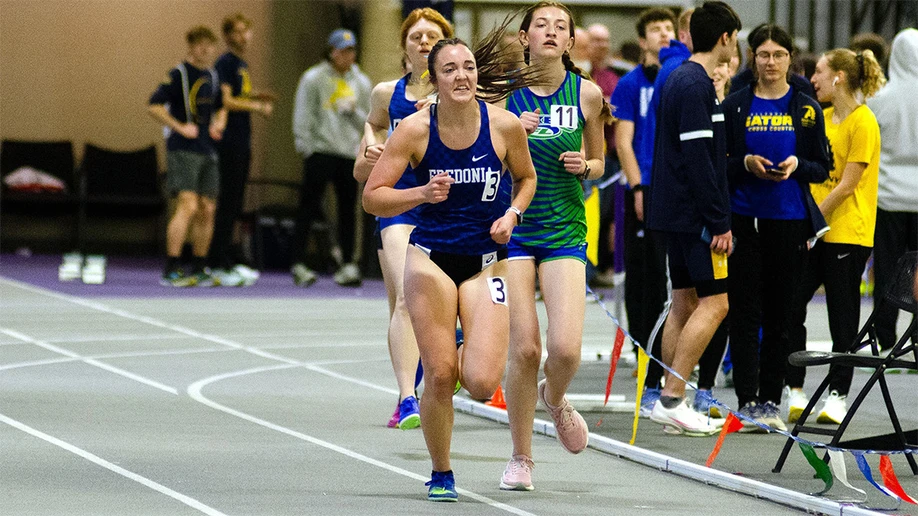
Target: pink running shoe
518,474
393,421
569,424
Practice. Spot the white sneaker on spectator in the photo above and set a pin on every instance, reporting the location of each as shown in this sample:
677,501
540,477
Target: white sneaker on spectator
683,419
303,276
834,409
225,278
348,275
249,275
796,403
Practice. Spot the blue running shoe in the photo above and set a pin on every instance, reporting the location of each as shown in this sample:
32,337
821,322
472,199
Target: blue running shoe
704,403
647,401
409,415
442,487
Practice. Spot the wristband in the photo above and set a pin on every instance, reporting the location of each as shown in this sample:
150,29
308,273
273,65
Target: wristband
519,214
586,172
637,188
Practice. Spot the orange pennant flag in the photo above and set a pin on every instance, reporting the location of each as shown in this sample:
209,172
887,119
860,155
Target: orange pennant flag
732,424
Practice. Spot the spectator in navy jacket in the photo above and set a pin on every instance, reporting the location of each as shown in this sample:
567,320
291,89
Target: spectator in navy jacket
776,147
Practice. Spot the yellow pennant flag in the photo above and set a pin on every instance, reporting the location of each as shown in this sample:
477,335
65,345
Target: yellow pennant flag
643,359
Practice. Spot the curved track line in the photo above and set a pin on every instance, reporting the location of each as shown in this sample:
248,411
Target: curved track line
194,391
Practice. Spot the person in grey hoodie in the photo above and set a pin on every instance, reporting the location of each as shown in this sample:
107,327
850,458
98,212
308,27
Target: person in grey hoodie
332,102
897,202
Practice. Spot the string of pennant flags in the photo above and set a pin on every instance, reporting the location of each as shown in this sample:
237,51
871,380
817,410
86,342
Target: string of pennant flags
828,473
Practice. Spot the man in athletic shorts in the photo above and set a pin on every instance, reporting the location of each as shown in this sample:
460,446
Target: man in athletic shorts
190,105
690,204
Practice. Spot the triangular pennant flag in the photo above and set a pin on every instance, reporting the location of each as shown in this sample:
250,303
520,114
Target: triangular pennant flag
890,480
865,470
732,424
643,359
822,469
837,465
613,364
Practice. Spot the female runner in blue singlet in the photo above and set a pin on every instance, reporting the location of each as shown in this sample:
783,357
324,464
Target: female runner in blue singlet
391,102
455,266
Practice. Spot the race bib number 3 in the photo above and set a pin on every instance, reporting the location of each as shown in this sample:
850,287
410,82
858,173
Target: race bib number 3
564,117
498,290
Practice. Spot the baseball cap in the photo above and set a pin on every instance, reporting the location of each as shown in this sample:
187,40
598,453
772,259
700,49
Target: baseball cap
342,38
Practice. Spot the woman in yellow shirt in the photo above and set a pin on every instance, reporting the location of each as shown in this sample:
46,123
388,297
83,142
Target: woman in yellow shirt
848,200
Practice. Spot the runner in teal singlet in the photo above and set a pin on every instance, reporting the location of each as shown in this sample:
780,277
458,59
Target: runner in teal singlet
555,217
564,119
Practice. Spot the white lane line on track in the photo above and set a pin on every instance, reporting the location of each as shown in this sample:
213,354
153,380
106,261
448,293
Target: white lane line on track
95,459
194,390
90,361
149,320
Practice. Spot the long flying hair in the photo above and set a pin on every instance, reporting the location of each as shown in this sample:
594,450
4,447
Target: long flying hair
499,71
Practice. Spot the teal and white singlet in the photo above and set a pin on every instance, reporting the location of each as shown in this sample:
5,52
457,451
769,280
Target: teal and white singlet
555,217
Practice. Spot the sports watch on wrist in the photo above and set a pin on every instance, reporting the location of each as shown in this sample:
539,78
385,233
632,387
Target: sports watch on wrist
519,214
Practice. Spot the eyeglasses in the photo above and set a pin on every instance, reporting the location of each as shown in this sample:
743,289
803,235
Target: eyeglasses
765,56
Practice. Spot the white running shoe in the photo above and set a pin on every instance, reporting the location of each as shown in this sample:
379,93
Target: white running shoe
683,419
225,278
303,276
796,403
834,409
249,275
348,275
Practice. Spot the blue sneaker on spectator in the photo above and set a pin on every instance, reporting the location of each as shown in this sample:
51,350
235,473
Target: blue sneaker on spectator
647,401
704,403
770,414
442,487
752,412
408,414
177,278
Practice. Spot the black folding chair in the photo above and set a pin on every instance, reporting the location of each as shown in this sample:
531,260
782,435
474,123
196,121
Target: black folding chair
120,185
903,355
